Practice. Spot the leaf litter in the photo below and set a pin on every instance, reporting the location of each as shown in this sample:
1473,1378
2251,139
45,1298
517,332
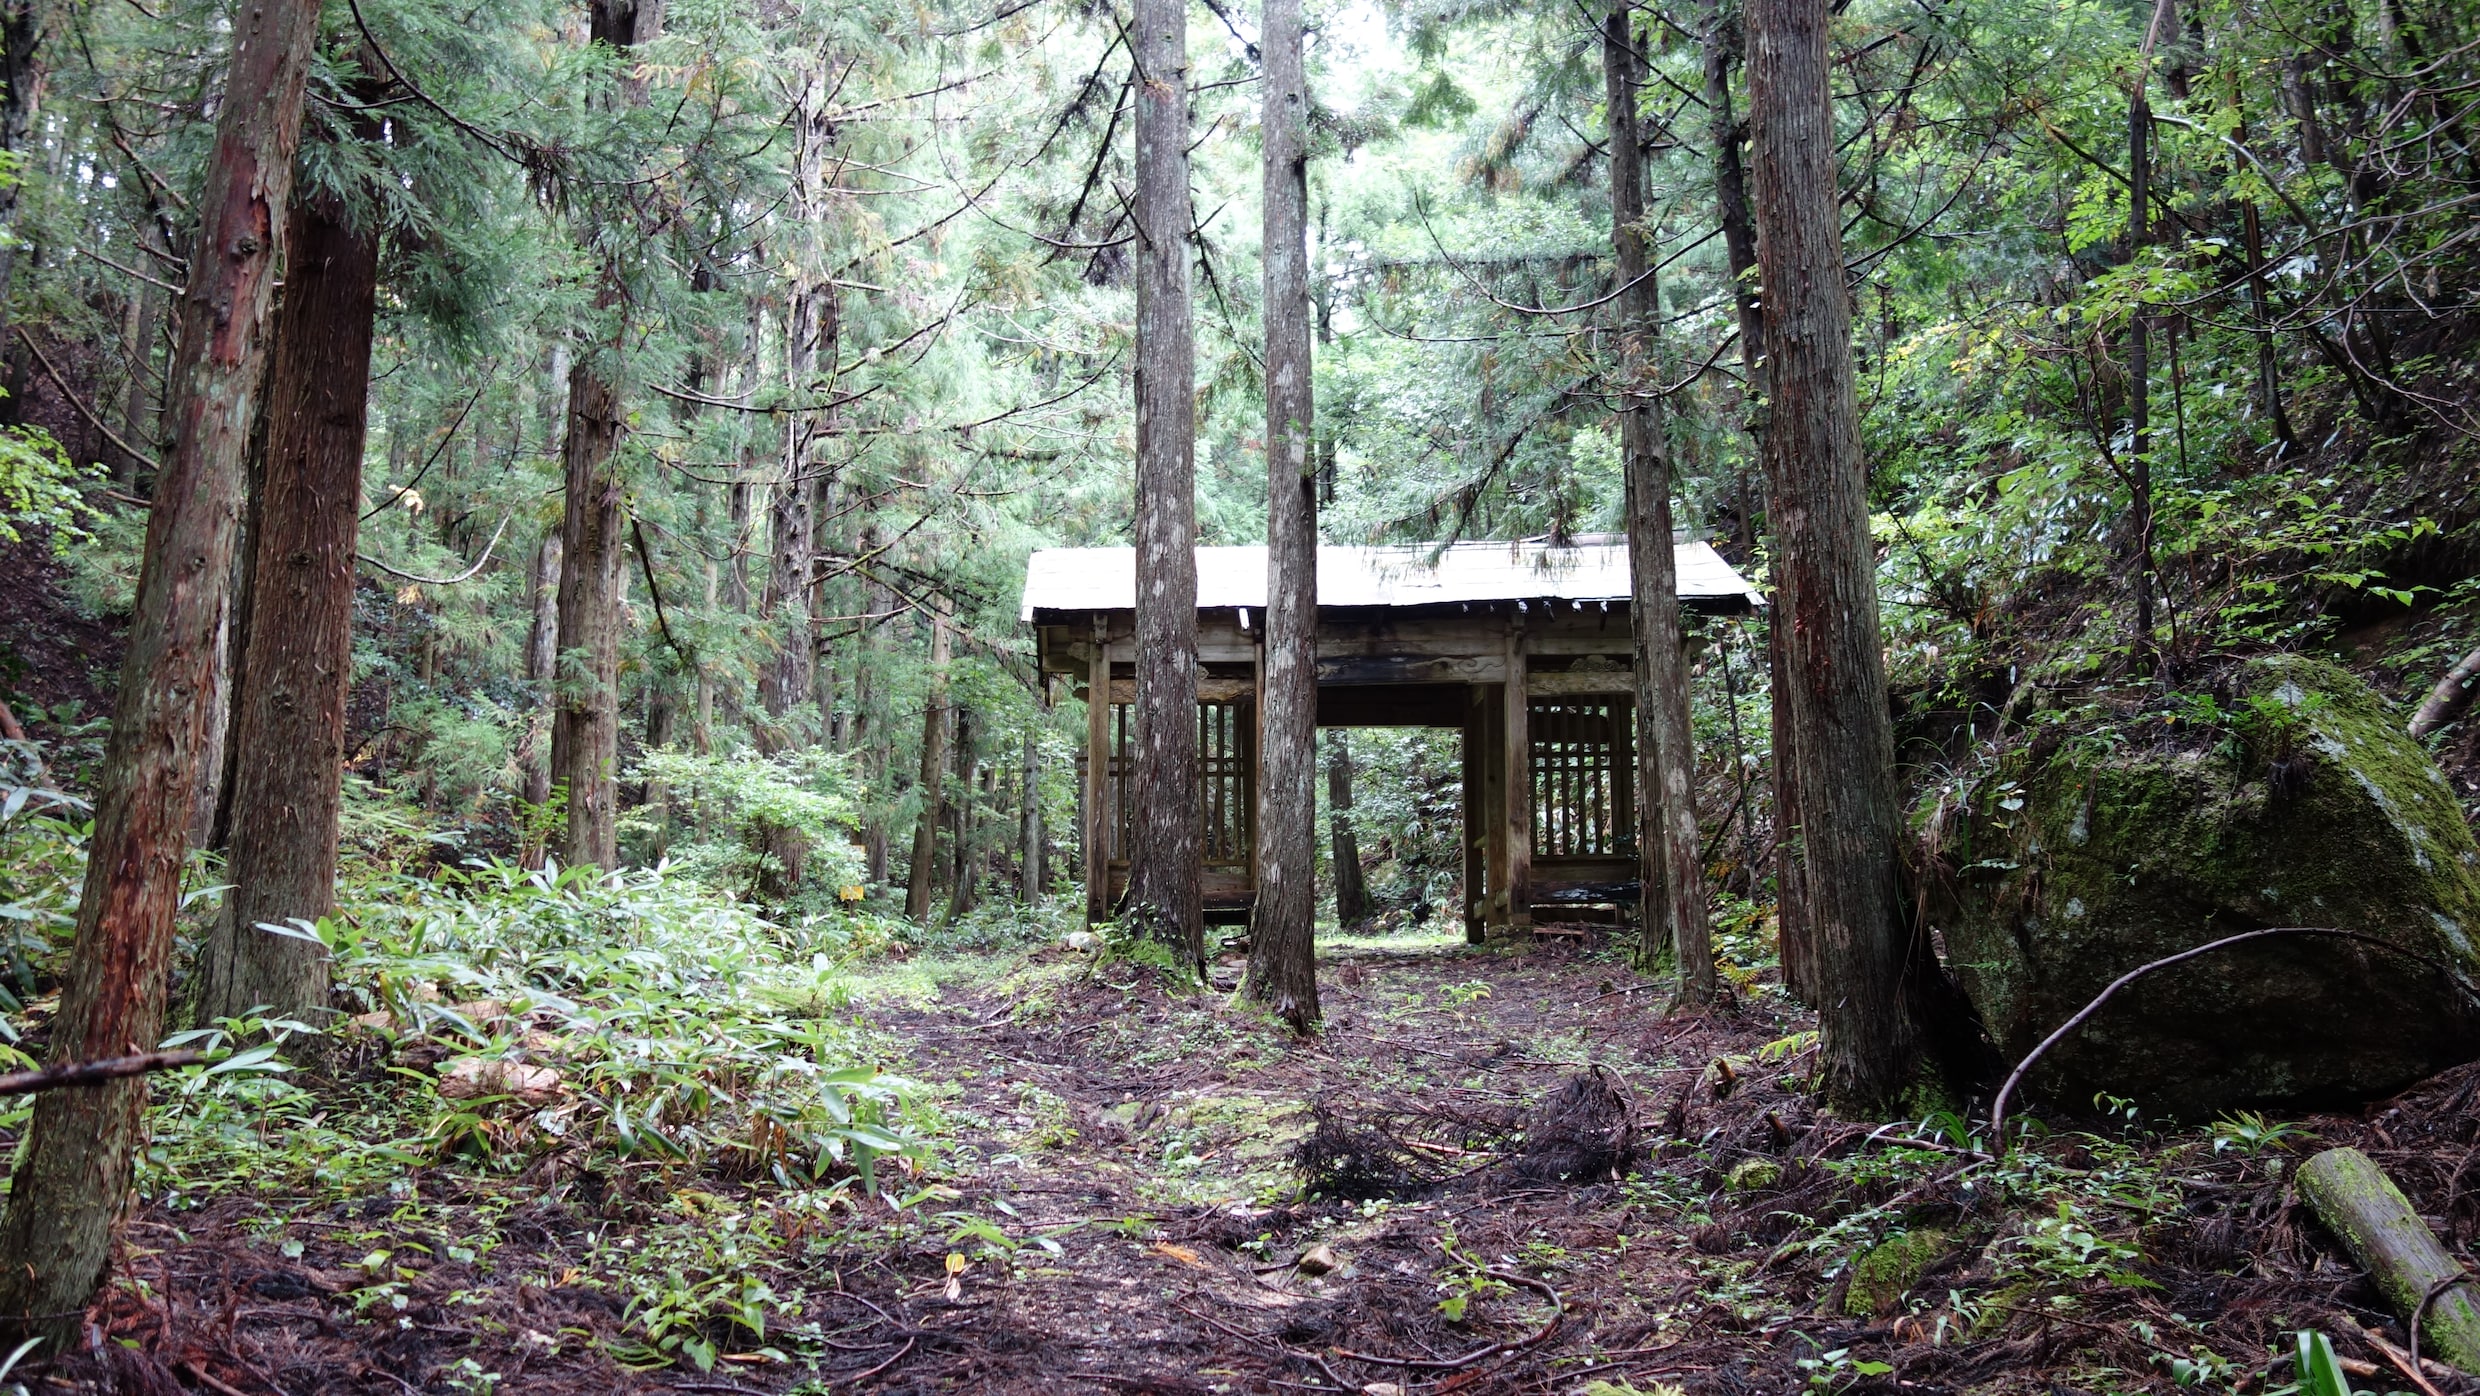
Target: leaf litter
1143,1190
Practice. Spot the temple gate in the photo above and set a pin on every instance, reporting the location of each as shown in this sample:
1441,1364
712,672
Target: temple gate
1525,648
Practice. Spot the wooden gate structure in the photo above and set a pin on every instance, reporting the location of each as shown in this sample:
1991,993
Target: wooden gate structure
1525,648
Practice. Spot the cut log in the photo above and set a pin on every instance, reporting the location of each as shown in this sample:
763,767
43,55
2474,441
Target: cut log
2362,1207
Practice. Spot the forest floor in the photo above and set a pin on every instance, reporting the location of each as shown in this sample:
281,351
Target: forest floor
1116,1206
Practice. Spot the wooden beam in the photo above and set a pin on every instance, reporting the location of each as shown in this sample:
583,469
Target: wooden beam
1475,835
1557,685
1209,690
1519,785
1098,782
1410,668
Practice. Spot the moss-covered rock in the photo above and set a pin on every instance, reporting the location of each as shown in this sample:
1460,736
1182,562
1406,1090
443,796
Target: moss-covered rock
2072,862
1887,1271
1752,1175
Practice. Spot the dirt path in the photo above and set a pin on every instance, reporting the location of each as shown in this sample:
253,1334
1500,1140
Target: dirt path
1116,1207
1137,1148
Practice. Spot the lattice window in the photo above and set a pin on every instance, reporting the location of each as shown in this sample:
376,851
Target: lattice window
1224,737
1580,759
1123,733
1225,741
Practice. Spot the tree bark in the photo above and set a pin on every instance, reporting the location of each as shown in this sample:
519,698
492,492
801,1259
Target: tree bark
960,888
1030,881
288,723
138,404
1739,237
585,726
23,71
877,602
73,1167
786,671
924,870
585,722
811,330
1817,488
1351,885
1794,938
1282,938
2448,700
2140,372
1672,898
1165,899
542,665
1739,232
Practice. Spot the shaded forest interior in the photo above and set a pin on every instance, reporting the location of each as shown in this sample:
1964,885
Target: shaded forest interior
1764,696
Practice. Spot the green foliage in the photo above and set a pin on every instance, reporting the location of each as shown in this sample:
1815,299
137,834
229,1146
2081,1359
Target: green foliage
673,1020
2320,1373
2245,1131
737,810
39,489
43,835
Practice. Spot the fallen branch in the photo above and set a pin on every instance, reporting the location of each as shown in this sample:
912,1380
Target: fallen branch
2448,699
52,372
2361,1206
1558,1313
94,1073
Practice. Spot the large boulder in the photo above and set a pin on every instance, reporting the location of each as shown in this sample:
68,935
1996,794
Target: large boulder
2085,854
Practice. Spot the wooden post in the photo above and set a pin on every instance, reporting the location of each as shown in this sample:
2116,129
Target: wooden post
1518,758
1098,779
1252,736
1476,837
1493,802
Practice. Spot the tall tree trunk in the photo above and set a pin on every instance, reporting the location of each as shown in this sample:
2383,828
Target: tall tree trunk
736,576
73,1166
810,334
822,663
23,69
1739,239
1351,884
960,887
1739,232
542,666
662,728
1165,897
139,402
876,602
1029,878
1795,935
585,722
702,708
2140,368
214,748
785,672
288,722
1282,940
924,871
1818,497
1672,896
585,727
